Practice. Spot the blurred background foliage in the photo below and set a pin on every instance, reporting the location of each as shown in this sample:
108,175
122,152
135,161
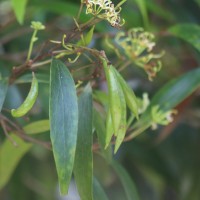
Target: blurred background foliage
164,164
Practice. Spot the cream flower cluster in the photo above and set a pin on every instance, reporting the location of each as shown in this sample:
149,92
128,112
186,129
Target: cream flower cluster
138,45
105,9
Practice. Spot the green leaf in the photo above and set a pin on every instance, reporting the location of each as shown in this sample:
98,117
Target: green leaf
115,96
63,112
3,90
188,32
160,11
99,193
122,128
142,6
177,90
19,7
100,128
101,97
109,128
127,182
37,127
83,166
129,95
87,38
10,156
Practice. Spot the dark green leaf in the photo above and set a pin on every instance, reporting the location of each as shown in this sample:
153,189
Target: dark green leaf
63,121
83,166
188,32
127,182
10,156
19,7
142,6
177,90
99,193
99,126
37,127
3,90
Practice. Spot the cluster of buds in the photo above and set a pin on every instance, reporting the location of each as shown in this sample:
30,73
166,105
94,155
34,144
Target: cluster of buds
161,117
138,46
105,9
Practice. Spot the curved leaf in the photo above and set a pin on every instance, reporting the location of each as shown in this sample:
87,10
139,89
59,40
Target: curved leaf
99,193
83,166
188,32
128,184
63,113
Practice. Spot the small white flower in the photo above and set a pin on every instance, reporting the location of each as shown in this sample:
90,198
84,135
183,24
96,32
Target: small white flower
104,9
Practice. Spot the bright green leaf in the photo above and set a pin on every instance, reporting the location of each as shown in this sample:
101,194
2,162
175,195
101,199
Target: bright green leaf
122,127
115,95
37,127
10,156
109,128
99,193
87,38
101,97
63,112
127,182
188,32
129,95
19,7
83,166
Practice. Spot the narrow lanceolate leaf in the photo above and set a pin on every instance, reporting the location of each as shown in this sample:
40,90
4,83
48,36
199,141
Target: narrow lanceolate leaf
19,8
129,95
3,90
10,156
83,167
127,182
114,90
99,193
122,128
188,32
177,90
63,113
